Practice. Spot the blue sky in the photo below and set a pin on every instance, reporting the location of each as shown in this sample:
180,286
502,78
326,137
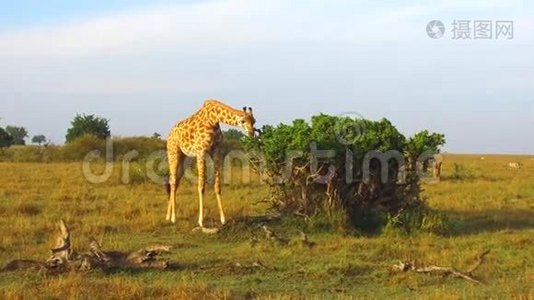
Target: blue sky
148,64
38,12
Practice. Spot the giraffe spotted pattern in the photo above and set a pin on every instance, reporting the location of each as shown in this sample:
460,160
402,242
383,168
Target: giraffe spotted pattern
198,136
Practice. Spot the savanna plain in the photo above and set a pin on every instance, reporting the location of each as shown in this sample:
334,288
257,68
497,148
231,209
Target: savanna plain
490,207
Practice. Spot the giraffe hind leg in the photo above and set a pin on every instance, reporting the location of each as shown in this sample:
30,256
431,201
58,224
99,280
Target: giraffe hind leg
201,166
217,188
175,159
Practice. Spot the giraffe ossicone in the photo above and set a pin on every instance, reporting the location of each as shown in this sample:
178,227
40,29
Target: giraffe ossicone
198,136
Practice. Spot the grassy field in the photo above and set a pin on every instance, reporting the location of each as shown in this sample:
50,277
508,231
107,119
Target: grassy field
490,206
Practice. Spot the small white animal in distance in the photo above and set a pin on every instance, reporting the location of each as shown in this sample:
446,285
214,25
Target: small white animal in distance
514,165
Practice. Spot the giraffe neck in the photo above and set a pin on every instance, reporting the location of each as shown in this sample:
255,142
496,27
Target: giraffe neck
218,112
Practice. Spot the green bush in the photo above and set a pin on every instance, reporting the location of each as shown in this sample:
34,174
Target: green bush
460,172
51,153
144,146
32,153
137,173
284,154
25,154
418,219
134,149
77,150
81,146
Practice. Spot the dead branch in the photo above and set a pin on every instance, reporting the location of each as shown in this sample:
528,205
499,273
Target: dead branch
205,230
301,169
62,251
148,257
445,271
479,261
94,247
63,240
255,265
305,242
24,264
64,259
273,237
303,215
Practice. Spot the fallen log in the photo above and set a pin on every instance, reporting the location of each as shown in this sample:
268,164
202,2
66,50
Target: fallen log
64,259
444,271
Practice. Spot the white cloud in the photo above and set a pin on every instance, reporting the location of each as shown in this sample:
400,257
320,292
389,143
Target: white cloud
134,31
103,54
213,25
232,24
367,56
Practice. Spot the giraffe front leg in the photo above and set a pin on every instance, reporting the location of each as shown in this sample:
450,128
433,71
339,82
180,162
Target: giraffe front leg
201,166
171,215
217,188
175,158
172,197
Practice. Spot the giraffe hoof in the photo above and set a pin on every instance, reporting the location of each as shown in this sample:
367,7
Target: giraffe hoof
205,230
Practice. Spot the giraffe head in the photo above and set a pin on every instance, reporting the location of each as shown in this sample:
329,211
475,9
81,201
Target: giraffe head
247,121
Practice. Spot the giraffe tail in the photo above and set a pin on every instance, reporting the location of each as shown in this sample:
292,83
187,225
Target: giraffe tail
167,186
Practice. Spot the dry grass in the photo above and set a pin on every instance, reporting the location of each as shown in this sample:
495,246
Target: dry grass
492,208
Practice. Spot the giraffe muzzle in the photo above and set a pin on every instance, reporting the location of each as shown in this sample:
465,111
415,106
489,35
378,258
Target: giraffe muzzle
256,130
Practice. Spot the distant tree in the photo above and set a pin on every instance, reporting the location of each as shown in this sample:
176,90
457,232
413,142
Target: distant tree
156,135
421,142
233,134
88,124
38,139
18,134
6,140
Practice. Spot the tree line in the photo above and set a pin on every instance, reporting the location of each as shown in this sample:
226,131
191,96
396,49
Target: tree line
15,135
81,125
85,134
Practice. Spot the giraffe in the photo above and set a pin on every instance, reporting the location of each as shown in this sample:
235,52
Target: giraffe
199,136
436,166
